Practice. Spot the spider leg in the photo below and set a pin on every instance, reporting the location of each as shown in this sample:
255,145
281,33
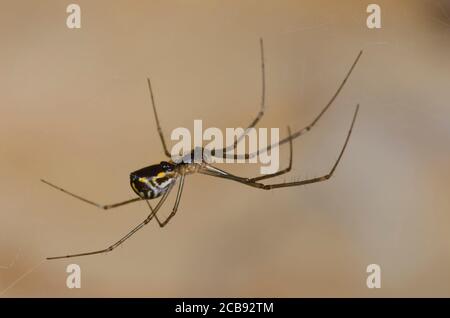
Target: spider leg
262,107
101,206
177,203
302,131
151,209
215,172
158,125
127,236
281,172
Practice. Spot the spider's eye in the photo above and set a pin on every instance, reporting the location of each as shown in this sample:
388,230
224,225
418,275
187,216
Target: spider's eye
167,166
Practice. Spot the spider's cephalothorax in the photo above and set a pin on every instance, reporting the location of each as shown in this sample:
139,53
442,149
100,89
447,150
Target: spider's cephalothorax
153,181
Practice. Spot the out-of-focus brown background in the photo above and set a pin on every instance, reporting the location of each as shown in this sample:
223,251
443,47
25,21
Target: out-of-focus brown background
75,110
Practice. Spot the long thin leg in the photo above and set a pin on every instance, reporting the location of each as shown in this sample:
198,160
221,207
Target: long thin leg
123,239
262,107
158,125
215,172
175,206
152,210
101,206
281,172
303,130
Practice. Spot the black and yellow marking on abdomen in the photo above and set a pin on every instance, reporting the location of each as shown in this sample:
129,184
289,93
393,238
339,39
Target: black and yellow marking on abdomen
150,182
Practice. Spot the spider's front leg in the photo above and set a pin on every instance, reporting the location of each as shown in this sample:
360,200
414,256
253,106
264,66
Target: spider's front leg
216,172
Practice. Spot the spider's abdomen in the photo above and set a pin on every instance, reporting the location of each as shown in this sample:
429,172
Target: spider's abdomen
151,182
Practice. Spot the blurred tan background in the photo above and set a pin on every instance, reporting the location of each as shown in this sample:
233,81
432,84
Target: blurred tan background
75,110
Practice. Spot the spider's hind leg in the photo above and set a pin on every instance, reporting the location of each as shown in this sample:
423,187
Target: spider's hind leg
124,238
175,207
98,205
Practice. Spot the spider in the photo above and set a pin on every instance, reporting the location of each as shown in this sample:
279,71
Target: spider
157,181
